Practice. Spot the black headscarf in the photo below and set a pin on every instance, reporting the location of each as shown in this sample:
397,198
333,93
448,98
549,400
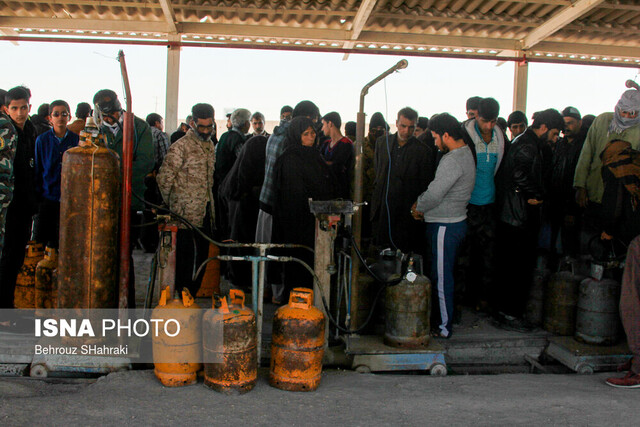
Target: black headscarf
296,128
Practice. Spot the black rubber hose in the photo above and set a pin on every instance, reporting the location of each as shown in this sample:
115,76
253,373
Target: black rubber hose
326,306
364,262
193,227
316,279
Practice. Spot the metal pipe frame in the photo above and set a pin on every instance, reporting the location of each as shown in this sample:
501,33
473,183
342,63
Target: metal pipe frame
357,217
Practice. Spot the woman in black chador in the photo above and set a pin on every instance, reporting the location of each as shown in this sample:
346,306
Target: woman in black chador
300,174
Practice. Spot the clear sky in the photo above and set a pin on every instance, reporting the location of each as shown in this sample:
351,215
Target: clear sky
266,80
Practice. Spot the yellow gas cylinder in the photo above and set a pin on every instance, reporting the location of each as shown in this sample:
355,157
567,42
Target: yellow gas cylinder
25,293
177,358
46,287
297,344
238,372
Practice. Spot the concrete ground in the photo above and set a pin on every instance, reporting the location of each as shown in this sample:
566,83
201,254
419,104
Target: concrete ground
343,398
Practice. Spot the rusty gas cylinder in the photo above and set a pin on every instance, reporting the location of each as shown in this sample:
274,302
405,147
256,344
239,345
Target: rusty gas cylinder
211,279
297,344
89,212
408,311
25,292
366,292
534,310
177,358
597,318
46,288
561,299
238,372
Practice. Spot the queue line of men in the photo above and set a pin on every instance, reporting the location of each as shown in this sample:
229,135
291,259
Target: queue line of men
455,186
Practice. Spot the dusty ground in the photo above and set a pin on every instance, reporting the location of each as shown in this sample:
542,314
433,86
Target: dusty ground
344,398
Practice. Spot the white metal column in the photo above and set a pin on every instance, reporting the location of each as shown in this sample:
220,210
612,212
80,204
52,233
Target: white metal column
520,86
173,86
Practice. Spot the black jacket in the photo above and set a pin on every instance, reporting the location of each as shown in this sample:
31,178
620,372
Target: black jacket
241,189
25,196
521,179
40,123
412,169
563,167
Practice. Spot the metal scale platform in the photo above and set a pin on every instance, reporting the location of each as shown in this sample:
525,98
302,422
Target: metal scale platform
585,358
370,354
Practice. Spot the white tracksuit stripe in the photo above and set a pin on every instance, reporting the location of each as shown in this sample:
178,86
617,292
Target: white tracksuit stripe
440,260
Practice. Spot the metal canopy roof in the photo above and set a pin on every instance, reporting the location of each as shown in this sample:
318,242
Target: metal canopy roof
581,31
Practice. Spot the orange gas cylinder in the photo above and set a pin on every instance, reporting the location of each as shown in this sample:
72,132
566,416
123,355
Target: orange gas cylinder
89,213
238,372
186,346
25,293
46,288
297,344
211,279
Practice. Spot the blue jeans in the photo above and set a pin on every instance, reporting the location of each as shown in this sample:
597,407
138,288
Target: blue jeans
445,240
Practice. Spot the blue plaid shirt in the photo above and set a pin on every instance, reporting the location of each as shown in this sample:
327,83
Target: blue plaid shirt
160,146
275,147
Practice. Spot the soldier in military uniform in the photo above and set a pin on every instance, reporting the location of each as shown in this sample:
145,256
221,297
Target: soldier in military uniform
8,141
185,181
15,213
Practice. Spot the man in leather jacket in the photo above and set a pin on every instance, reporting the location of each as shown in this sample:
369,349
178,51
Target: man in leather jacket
521,193
564,212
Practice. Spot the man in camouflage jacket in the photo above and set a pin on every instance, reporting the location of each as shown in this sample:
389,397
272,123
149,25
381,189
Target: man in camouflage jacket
185,181
8,141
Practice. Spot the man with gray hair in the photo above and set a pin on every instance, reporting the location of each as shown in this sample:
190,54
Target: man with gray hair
257,122
227,152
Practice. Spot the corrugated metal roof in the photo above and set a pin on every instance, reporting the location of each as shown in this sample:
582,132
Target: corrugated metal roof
569,31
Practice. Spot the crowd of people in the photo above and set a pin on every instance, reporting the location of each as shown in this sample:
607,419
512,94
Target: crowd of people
477,200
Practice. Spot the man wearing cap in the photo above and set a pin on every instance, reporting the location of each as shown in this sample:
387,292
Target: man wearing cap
112,115
564,211
111,121
623,124
517,123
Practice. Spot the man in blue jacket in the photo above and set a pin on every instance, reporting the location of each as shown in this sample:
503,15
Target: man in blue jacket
50,146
